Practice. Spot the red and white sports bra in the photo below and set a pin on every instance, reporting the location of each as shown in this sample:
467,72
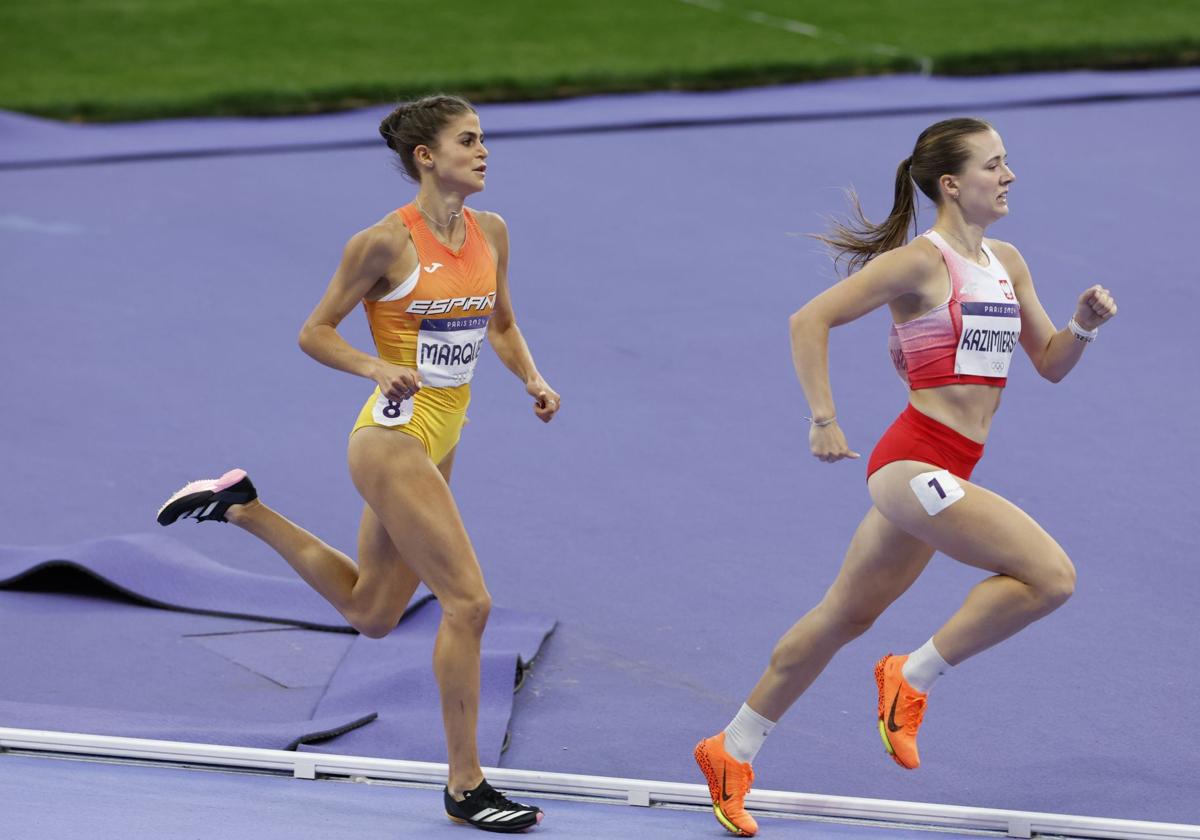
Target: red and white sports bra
968,339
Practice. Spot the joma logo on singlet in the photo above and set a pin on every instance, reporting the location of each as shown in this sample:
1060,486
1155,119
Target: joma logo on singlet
444,305
989,341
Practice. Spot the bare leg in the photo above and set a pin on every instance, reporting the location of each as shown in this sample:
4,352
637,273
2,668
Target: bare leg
325,569
410,532
413,503
881,563
1033,576
379,605
371,594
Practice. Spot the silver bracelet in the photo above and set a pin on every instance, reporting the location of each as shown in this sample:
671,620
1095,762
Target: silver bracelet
1086,336
822,423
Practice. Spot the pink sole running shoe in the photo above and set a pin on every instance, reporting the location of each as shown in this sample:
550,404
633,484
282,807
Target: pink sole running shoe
209,499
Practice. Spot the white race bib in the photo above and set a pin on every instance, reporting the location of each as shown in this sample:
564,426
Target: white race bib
448,348
387,412
989,336
936,490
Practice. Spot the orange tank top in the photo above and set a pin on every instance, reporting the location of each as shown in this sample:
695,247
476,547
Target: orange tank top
436,320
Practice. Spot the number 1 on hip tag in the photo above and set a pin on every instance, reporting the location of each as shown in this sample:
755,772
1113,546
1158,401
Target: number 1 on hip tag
936,490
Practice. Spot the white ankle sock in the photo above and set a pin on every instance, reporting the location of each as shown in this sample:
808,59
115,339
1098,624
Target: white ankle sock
746,732
923,666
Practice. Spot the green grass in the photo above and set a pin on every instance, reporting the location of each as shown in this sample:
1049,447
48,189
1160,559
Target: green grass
129,59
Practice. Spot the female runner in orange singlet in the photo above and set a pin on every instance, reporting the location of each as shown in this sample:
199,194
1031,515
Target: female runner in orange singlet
433,279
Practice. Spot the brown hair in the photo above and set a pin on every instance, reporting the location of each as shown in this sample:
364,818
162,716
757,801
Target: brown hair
940,150
417,123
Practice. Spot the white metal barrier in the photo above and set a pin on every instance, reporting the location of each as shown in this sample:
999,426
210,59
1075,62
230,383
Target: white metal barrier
306,765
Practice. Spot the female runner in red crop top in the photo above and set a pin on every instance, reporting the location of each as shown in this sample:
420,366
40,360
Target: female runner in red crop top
960,304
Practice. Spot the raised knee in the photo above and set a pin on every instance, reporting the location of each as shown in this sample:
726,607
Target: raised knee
1059,583
471,612
373,626
372,622
1064,586
376,631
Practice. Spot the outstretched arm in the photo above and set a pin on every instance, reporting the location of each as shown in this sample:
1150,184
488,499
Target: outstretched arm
1054,352
503,333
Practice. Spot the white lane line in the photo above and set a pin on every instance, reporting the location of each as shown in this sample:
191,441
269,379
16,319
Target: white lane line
25,224
808,30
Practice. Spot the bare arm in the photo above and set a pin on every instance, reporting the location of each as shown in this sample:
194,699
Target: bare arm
1054,352
503,333
365,261
887,277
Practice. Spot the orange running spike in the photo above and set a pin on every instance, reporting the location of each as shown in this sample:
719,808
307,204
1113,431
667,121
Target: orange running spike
901,708
729,781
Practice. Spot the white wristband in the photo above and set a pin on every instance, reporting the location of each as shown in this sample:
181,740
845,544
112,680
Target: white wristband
1080,333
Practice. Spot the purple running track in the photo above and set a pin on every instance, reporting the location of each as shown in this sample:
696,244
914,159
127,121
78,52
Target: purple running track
42,797
81,660
670,517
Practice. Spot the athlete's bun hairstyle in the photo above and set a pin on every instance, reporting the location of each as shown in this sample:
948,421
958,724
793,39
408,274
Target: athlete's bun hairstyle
417,123
941,150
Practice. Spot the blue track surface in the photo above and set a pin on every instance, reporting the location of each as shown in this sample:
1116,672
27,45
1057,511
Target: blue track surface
51,798
152,312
